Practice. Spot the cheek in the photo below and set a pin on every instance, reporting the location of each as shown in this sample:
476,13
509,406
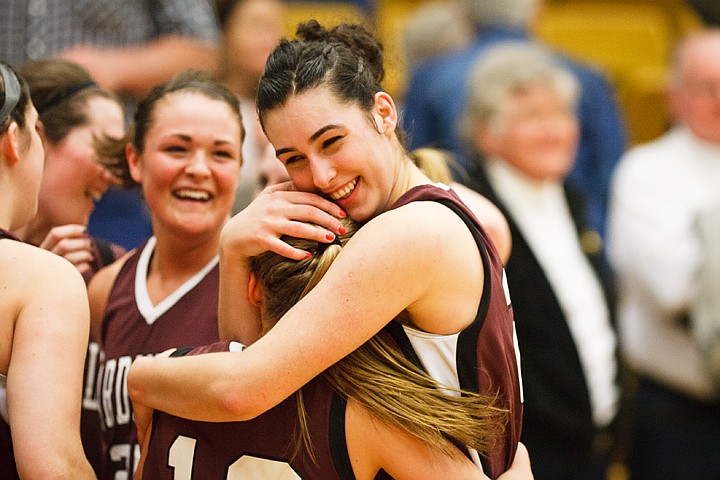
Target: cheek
227,176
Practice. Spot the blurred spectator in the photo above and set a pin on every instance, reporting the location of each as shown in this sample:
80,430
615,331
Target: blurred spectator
250,31
520,119
127,47
709,10
433,29
436,98
366,5
661,193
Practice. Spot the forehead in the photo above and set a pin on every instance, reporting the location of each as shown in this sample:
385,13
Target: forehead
193,109
701,56
305,113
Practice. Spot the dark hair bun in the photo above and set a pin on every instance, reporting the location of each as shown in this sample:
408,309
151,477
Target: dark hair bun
354,36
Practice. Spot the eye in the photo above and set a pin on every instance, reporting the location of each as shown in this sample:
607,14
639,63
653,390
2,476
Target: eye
225,154
292,160
331,141
175,149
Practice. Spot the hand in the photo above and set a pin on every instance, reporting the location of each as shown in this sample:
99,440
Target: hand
99,64
520,469
72,243
142,414
280,210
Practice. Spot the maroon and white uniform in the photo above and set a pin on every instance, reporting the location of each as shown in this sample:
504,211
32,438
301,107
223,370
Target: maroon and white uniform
133,326
104,253
484,357
261,448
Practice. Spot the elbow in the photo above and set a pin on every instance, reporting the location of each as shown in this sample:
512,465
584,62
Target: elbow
57,467
238,405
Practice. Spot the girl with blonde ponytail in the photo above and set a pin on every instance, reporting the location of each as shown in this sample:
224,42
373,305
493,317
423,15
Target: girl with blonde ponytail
374,411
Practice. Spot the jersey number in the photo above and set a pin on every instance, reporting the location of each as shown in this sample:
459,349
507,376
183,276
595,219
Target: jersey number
182,454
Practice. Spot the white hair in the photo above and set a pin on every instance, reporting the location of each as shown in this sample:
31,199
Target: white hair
507,68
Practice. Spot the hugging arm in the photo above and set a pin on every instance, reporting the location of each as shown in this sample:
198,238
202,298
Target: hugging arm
365,288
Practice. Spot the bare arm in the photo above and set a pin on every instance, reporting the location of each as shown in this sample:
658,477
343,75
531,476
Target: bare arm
99,290
390,265
135,70
46,368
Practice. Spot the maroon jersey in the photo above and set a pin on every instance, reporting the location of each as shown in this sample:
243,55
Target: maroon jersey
484,355
182,448
132,326
104,253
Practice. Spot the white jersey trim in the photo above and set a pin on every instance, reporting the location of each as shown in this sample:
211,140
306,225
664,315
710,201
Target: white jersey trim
3,398
152,312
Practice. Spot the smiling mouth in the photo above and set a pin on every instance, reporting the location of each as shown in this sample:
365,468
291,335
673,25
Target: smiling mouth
345,191
196,195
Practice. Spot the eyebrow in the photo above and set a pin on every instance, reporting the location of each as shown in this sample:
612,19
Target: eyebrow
188,138
313,137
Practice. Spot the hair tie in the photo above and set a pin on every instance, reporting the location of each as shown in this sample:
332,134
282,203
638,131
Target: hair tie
361,66
65,94
322,246
12,92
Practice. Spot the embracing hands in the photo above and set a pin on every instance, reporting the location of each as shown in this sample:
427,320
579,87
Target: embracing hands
280,210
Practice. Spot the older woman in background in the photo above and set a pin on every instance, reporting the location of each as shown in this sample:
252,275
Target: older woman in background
520,122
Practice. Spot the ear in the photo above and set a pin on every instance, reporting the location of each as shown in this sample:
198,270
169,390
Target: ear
385,109
256,293
133,160
10,144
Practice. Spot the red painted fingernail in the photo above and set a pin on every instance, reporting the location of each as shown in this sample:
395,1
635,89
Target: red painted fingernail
330,236
307,255
341,230
342,214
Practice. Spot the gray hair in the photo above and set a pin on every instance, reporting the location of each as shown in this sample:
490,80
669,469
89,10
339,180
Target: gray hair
505,69
509,13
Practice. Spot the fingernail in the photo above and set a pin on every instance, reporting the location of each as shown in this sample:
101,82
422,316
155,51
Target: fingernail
307,255
341,230
330,236
342,214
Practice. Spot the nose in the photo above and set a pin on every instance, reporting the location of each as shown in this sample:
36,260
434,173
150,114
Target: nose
322,170
198,165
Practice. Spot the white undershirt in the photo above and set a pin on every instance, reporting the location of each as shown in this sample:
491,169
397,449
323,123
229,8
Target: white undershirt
3,398
542,214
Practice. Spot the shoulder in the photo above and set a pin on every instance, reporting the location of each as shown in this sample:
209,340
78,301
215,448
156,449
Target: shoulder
105,277
100,286
34,263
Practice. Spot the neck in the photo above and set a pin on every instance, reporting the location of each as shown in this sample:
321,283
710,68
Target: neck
175,257
34,232
407,177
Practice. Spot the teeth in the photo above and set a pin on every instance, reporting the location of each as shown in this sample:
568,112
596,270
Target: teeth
343,192
192,194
